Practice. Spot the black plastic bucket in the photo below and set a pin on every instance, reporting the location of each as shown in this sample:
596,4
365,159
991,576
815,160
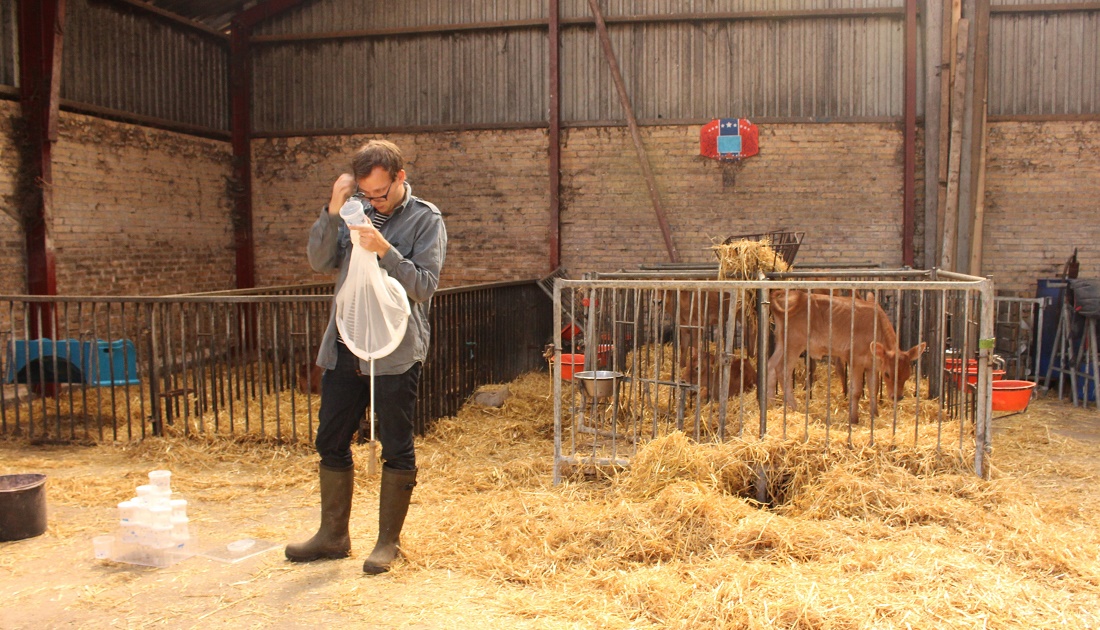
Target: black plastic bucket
22,506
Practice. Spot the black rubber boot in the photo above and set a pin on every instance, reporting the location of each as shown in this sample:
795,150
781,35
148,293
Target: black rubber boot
393,505
332,539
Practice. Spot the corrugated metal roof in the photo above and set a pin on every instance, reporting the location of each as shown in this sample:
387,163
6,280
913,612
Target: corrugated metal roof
213,13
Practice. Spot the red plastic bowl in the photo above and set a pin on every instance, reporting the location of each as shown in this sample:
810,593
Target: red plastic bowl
569,362
1012,395
972,375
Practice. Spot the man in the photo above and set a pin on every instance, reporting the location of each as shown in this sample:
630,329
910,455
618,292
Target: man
410,240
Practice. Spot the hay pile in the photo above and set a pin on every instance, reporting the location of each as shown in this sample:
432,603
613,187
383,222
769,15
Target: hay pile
864,537
892,536
746,259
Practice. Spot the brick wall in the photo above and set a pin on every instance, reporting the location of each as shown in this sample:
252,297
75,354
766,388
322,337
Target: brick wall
144,211
491,186
12,248
137,211
841,184
1042,200
140,211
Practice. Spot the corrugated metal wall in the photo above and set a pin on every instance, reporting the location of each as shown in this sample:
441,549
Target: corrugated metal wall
9,43
610,8
820,68
440,79
800,68
321,16
1044,64
131,61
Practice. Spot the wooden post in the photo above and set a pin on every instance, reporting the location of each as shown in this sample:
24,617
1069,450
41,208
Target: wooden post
951,208
950,30
935,121
639,148
909,176
979,209
977,122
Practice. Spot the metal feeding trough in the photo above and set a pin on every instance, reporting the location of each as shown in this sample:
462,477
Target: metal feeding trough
599,384
22,506
597,388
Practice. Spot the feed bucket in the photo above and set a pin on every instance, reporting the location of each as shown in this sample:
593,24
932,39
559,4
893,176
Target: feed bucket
569,363
599,384
1012,395
22,506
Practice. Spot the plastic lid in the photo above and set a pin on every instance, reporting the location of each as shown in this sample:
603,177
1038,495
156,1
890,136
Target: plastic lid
237,546
352,212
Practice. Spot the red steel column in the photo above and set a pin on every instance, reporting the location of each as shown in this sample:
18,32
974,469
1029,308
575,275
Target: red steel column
240,127
41,25
240,123
909,184
554,44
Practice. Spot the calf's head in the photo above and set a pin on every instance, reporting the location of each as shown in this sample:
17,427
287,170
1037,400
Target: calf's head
895,366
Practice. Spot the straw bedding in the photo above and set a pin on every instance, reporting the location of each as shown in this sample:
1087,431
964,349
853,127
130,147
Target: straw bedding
894,535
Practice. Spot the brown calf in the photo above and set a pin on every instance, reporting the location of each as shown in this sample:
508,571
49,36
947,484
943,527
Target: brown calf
309,378
843,327
697,311
741,380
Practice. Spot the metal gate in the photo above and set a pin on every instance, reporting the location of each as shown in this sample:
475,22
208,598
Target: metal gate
637,357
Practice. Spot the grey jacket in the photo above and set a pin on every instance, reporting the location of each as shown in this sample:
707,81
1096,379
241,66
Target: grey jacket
418,245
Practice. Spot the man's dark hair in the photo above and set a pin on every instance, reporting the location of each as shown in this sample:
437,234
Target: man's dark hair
377,153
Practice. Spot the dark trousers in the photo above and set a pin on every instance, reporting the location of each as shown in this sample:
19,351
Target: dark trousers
345,396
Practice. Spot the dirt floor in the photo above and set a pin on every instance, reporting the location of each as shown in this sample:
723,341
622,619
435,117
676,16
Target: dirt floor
1049,456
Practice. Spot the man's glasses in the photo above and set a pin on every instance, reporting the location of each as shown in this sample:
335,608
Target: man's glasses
360,193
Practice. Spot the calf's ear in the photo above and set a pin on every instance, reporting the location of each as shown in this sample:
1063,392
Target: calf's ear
916,351
879,351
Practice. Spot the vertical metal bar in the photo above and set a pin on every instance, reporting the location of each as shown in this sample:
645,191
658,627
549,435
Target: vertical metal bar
984,415
762,351
111,375
185,369
156,368
876,371
257,335
7,365
918,372
309,358
94,344
555,381
64,324
244,345
276,309
232,350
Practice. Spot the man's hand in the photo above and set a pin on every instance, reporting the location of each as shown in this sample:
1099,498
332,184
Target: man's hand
371,239
343,188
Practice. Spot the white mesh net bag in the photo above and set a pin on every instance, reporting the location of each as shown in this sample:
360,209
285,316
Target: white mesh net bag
372,309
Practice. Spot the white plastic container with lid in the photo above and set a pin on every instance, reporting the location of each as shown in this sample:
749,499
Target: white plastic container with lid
146,491
161,537
180,530
141,513
179,508
126,512
160,516
103,546
352,212
161,479
132,534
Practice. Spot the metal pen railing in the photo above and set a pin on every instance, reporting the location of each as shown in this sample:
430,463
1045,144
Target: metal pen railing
233,364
